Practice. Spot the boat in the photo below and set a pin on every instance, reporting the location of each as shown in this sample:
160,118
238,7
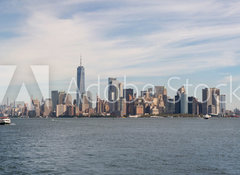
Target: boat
207,116
156,116
5,120
133,116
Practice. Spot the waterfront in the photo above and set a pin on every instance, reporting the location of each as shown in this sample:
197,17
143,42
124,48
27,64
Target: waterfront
120,146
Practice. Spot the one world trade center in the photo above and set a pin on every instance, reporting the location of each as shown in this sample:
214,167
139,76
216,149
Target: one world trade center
80,82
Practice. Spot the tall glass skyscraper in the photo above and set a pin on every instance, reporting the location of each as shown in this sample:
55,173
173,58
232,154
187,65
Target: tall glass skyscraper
115,91
184,103
181,101
211,101
223,104
54,99
80,82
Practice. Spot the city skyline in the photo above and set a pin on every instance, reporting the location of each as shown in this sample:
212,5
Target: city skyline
121,101
121,86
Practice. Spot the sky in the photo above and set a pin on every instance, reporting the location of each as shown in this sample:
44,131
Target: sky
148,41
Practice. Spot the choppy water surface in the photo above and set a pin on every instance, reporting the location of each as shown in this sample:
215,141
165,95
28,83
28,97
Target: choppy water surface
120,146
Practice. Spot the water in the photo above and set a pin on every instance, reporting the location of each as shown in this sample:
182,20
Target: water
120,146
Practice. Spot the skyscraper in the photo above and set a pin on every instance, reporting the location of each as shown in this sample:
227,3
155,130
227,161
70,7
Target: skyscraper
115,91
181,101
84,107
80,82
211,101
122,106
68,99
47,107
54,99
99,106
61,97
184,103
193,106
170,106
160,90
128,95
222,104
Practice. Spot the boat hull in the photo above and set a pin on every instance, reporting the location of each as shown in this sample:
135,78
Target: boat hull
5,121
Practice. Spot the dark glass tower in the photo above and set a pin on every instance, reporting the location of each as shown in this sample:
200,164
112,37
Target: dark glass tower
80,82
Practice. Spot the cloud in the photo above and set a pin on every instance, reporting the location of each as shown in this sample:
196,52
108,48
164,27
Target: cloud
146,38
229,79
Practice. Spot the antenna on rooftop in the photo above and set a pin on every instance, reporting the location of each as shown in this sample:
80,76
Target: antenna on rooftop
80,60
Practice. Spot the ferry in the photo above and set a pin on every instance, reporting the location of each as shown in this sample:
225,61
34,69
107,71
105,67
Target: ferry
207,116
5,120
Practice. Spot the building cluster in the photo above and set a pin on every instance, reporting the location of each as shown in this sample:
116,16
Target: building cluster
124,102
120,102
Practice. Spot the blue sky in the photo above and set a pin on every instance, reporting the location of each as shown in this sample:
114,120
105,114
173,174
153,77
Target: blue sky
149,41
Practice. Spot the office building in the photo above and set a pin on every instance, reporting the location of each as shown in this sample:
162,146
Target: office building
54,95
160,90
61,110
140,107
68,99
47,108
181,101
170,106
128,95
69,110
122,107
80,82
61,97
100,106
184,103
36,107
223,104
115,91
193,106
211,101
84,105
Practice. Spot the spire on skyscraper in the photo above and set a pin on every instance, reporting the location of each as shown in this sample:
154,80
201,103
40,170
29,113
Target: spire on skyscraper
80,60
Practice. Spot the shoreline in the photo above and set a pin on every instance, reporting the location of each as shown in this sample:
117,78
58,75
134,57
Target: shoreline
114,117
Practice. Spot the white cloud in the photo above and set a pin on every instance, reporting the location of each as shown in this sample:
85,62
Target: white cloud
47,38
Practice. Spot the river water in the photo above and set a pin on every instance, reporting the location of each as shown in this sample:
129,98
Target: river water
85,146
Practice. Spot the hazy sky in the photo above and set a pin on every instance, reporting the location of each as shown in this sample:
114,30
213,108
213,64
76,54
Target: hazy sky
147,40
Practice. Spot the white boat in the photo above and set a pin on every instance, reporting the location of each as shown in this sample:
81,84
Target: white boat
156,116
133,116
207,116
5,120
